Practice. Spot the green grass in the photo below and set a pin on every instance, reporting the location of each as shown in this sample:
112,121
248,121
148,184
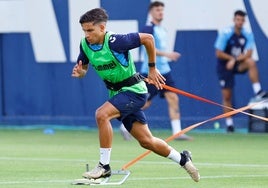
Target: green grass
29,158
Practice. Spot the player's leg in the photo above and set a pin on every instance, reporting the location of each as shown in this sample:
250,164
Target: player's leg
250,65
173,105
173,108
227,101
124,132
174,114
103,116
226,82
152,91
141,133
145,138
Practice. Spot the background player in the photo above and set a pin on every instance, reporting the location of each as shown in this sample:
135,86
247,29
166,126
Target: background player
234,46
154,27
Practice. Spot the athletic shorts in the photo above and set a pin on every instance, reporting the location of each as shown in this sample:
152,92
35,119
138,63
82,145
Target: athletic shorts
227,77
129,105
153,91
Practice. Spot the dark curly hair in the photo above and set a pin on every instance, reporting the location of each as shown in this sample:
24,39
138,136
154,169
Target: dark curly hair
156,4
95,15
240,13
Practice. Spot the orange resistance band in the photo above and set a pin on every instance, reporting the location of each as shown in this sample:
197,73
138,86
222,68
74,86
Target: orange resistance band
235,111
178,91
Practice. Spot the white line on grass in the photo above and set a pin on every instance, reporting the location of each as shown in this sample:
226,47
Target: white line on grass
236,176
209,164
202,177
34,181
40,159
140,162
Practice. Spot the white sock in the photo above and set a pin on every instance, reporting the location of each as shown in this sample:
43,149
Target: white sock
105,155
229,121
123,128
176,126
174,156
256,87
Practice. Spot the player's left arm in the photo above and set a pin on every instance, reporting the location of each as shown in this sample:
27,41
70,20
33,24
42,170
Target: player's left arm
122,43
154,75
248,47
247,54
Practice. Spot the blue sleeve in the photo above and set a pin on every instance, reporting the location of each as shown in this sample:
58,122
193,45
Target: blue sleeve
148,29
82,56
250,40
222,39
124,42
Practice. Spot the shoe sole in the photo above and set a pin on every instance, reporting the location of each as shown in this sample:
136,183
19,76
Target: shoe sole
195,176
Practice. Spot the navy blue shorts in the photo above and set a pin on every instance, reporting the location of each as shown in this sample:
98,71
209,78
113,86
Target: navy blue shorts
226,77
129,105
153,91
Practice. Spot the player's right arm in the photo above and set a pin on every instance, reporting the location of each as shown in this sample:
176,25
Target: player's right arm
220,45
81,68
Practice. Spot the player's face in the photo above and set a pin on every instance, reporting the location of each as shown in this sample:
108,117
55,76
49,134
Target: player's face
94,33
239,21
157,13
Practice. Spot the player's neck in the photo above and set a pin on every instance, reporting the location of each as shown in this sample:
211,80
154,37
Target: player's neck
237,31
156,22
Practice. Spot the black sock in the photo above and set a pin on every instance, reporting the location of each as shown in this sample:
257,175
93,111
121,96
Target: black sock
183,159
106,167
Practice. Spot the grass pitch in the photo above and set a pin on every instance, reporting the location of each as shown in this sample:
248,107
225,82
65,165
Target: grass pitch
30,158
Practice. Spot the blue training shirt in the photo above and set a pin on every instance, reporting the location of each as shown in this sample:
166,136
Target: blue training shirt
160,37
230,43
120,44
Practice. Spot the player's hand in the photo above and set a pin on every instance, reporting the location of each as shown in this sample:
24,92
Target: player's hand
78,70
230,64
173,56
154,77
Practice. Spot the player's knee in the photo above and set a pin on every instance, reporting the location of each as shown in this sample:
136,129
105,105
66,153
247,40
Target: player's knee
175,99
100,115
251,62
172,97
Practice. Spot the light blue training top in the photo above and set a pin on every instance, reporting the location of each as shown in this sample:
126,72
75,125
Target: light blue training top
160,36
233,44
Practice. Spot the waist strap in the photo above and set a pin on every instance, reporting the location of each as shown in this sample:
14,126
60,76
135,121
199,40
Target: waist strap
134,79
